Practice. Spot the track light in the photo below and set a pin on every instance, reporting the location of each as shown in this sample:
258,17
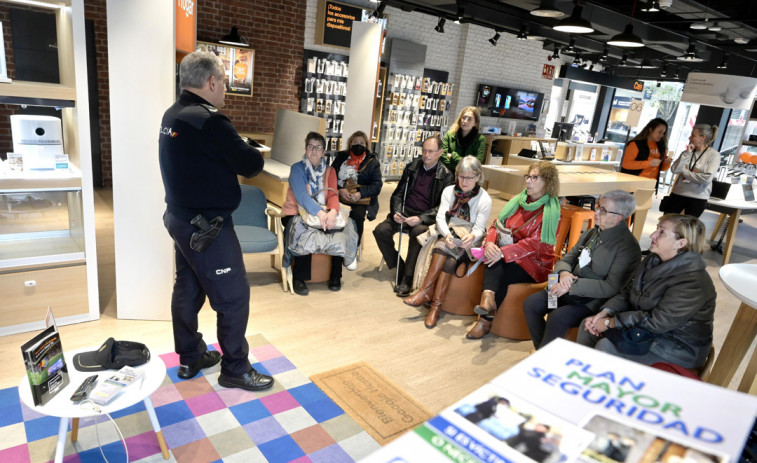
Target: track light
379,10
460,18
548,9
233,38
574,24
591,68
652,6
723,64
675,76
522,35
691,54
556,53
664,72
494,39
440,26
605,54
624,59
571,48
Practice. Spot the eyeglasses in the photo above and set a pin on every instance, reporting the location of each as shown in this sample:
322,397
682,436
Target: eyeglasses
533,178
466,178
316,148
603,211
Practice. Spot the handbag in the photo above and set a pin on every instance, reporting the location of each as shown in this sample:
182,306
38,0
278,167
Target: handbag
314,222
352,187
631,341
664,203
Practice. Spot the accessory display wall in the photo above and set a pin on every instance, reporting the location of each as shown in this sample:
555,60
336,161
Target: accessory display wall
324,91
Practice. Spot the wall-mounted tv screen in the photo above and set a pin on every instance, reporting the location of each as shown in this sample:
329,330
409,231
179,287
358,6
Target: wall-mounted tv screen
507,102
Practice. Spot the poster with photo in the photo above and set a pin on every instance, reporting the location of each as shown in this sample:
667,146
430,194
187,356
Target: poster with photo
238,64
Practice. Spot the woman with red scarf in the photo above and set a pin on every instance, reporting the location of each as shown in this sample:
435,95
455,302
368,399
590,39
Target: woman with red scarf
461,224
358,174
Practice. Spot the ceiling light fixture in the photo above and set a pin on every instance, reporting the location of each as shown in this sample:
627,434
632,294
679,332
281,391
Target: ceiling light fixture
440,26
379,10
605,54
664,72
233,38
574,24
691,54
556,53
675,76
741,40
523,35
548,9
652,6
723,64
627,39
715,27
494,39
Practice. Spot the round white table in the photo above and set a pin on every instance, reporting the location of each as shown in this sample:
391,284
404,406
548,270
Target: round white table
61,406
741,280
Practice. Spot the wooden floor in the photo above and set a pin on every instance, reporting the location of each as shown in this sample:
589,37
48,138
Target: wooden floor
364,321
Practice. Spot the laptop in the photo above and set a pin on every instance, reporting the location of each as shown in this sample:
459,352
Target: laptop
526,153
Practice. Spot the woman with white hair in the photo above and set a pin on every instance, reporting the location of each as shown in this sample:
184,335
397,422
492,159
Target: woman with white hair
594,270
461,224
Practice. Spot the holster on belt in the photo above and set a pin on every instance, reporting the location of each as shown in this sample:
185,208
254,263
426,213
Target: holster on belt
208,231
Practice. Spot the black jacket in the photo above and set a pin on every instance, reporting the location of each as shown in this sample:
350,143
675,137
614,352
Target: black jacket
368,177
443,179
200,156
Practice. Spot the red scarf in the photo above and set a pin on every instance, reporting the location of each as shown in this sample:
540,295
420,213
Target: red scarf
355,161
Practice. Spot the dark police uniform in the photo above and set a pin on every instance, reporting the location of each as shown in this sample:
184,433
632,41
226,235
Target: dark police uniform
201,155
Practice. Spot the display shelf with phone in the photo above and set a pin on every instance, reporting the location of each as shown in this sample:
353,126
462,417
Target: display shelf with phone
47,227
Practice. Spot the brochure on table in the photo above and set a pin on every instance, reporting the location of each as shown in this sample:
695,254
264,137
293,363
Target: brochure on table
567,402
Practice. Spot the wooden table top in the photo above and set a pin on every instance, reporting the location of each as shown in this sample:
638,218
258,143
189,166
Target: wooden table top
574,180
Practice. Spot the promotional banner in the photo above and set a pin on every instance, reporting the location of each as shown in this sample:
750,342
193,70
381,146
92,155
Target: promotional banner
723,91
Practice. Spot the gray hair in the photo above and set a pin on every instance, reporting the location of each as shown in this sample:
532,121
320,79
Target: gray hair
709,132
624,202
472,165
197,67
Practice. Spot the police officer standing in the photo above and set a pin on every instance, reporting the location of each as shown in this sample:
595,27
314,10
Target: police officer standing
201,155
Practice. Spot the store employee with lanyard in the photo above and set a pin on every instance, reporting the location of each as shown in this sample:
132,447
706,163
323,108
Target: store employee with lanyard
594,270
201,155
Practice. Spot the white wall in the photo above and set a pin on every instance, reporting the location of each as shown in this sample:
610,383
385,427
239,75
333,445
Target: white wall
465,52
141,56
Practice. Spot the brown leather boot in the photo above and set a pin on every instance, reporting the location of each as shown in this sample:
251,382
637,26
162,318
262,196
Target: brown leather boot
440,292
427,288
487,306
481,327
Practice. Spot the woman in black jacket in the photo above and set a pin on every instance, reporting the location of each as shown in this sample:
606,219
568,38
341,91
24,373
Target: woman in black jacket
358,166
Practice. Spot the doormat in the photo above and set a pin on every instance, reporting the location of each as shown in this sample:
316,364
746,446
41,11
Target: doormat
377,404
202,422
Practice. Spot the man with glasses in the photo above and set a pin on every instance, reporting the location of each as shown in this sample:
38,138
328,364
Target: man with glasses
200,156
413,205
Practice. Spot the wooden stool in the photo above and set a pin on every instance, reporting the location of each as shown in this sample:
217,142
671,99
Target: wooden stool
510,322
464,293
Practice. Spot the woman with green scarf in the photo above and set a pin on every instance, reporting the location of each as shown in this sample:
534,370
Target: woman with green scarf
520,245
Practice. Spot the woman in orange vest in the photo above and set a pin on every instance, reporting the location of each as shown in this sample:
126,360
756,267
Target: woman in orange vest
646,154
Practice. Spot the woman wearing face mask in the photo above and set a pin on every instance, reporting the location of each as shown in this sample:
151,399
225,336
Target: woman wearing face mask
670,300
695,168
358,166
646,154
464,139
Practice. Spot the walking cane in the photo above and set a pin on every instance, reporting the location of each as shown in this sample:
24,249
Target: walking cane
399,247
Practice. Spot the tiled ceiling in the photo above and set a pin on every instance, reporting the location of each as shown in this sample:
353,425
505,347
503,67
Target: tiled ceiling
666,33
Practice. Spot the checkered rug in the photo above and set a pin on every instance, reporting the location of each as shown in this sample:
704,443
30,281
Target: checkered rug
202,422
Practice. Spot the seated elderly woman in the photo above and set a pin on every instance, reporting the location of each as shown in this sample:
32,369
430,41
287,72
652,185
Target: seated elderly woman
520,246
594,270
313,187
665,313
460,222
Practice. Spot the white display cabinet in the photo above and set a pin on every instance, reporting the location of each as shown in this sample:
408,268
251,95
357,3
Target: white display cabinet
47,228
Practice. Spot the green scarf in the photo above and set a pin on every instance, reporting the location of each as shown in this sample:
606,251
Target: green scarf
550,216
